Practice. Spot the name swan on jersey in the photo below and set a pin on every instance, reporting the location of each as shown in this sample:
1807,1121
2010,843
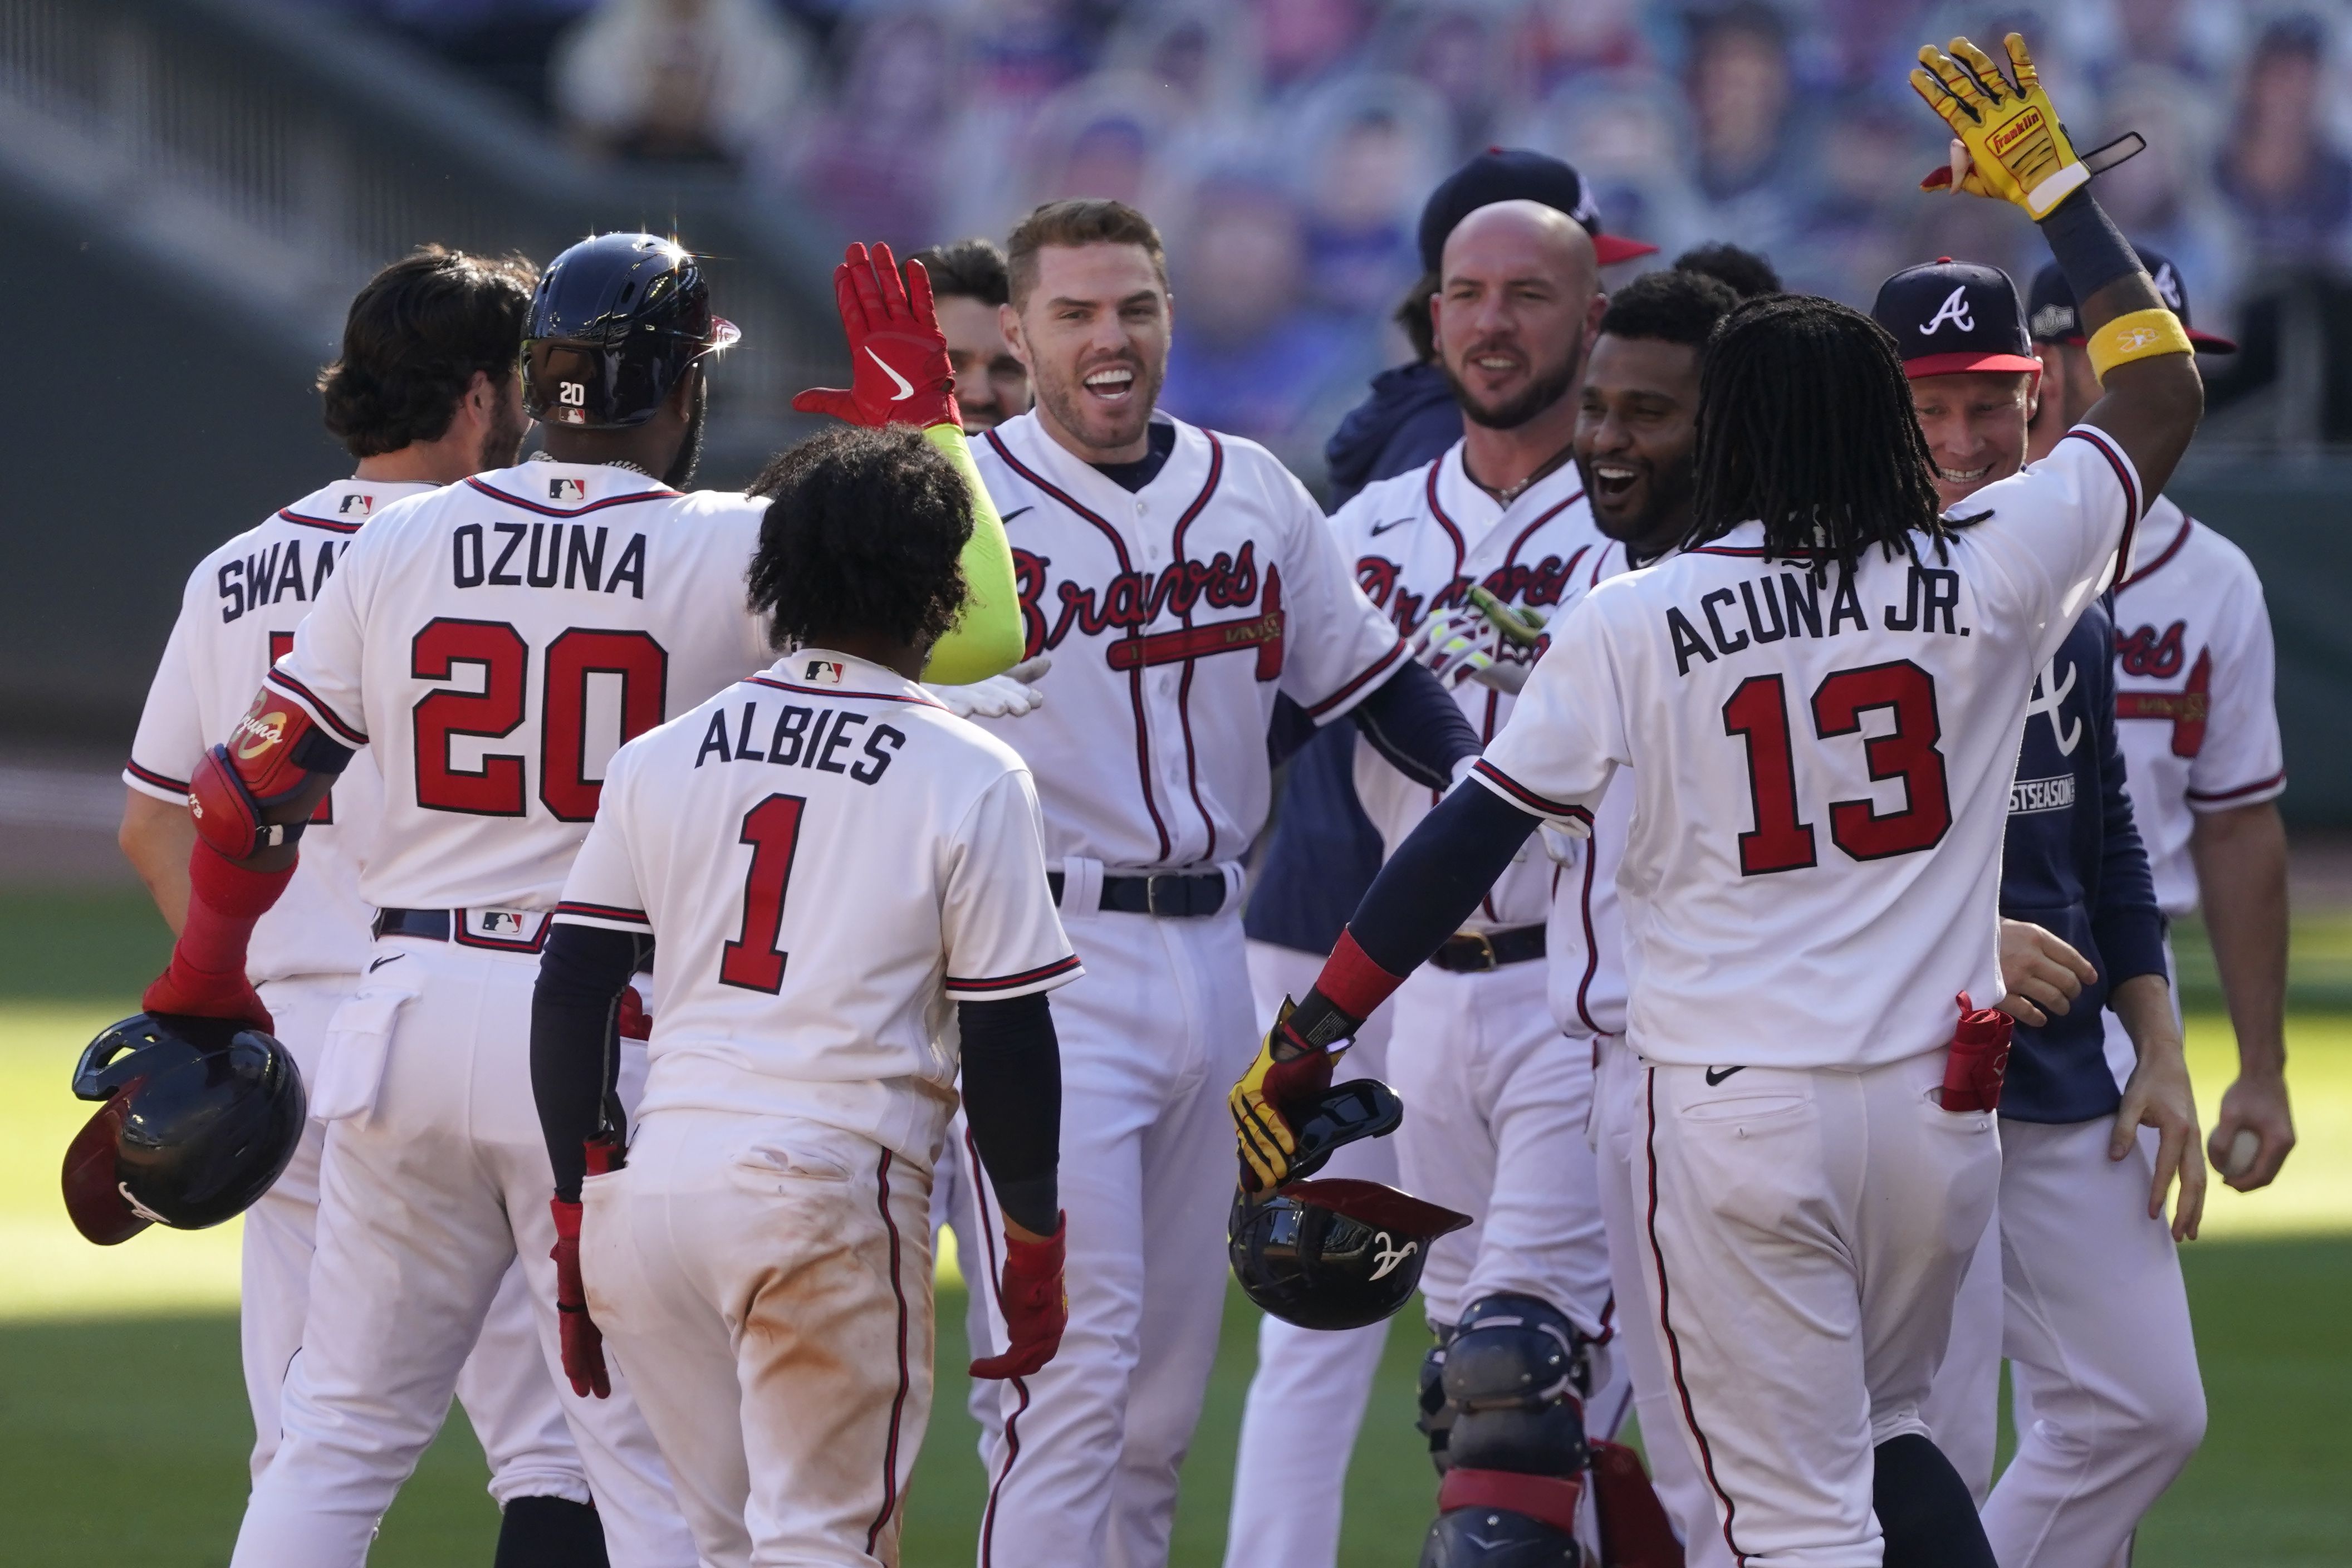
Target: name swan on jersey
1765,609
805,738
570,554
275,575
1131,598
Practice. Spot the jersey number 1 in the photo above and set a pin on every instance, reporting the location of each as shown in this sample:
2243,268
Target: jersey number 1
773,829
1781,841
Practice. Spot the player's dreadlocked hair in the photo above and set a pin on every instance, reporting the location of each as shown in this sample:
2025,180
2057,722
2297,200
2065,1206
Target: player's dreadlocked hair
1805,423
416,333
864,533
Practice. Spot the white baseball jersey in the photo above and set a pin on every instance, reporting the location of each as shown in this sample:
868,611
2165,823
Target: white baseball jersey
238,615
1864,728
1173,616
496,640
1586,971
830,860
2194,671
1421,541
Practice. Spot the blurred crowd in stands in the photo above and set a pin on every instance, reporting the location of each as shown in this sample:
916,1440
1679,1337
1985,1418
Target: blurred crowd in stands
1285,146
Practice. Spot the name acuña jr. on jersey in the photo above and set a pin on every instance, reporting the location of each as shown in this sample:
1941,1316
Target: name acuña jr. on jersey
1764,609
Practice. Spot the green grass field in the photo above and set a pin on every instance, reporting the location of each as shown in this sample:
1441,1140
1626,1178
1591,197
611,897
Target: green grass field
124,1428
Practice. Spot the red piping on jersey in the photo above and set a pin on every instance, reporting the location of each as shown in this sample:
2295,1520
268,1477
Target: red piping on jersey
1591,945
842,691
1007,982
898,1404
2214,797
1369,671
2171,550
1529,532
1526,796
659,492
1446,523
1184,685
2132,508
330,525
602,912
149,775
1134,676
319,710
1674,1343
1485,738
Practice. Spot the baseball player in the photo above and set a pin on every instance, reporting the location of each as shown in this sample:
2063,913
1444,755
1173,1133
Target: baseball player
1820,697
423,394
970,287
2078,1281
1636,425
1308,1394
831,863
494,640
1181,579
2194,667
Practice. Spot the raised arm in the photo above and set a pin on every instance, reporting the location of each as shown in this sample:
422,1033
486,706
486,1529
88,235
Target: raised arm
2010,145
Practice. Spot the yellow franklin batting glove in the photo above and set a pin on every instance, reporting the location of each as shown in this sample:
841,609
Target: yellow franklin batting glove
2017,149
1276,1085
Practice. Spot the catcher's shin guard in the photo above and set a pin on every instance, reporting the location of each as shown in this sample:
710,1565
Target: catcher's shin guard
1514,1451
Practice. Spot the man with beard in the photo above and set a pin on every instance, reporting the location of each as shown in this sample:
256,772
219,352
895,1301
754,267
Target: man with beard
1181,579
423,394
495,641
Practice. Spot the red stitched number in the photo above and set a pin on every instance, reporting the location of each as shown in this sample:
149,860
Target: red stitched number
773,829
1758,714
494,712
280,645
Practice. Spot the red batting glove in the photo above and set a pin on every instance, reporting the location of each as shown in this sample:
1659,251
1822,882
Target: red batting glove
206,976
1973,1073
635,1023
583,1344
899,372
1036,1305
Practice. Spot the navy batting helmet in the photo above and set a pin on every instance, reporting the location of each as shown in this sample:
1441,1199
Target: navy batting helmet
200,1117
1334,1254
614,323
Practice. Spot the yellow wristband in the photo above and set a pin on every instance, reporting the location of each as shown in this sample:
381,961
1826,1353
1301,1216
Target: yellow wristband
2142,334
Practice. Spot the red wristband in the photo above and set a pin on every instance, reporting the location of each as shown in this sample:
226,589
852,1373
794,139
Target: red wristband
1352,983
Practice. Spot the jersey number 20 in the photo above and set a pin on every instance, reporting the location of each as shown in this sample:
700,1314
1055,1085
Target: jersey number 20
1782,841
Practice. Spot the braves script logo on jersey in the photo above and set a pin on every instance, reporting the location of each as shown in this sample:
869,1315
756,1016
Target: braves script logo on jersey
1758,613
2148,655
1135,599
567,490
1514,584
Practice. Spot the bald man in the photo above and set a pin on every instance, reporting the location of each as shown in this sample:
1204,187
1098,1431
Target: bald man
1496,1097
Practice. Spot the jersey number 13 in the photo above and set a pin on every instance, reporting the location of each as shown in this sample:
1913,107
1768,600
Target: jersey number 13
1782,840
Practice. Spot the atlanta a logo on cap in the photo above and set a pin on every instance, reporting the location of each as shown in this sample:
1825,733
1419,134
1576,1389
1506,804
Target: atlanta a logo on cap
1954,309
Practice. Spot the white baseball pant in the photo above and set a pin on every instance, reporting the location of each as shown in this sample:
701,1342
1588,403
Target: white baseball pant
1962,1410
954,1208
1618,1126
1308,1396
1153,1036
2102,1364
429,1189
1807,1232
504,1386
769,1282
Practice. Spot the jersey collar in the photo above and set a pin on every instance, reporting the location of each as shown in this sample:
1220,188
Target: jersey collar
343,506
1026,440
827,672
1478,514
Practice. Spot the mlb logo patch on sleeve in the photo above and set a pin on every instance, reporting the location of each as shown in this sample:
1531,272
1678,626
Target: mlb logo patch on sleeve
567,490
823,671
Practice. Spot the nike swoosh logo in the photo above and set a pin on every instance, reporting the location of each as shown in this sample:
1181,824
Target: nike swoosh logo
1016,512
1716,1075
1381,528
906,388
388,958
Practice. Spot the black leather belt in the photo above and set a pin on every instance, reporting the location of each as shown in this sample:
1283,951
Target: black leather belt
1177,894
433,925
1476,952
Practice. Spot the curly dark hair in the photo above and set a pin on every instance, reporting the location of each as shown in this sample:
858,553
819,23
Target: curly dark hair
415,335
968,269
1746,273
1675,307
864,533
1805,422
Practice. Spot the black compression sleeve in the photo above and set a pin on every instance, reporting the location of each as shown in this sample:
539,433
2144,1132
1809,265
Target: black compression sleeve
1410,720
2090,250
1013,1101
1437,876
575,1056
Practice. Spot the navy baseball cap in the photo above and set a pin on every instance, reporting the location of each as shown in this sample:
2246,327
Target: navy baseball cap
1514,175
2051,315
1950,316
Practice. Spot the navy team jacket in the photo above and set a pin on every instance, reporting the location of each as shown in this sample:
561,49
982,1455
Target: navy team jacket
2072,863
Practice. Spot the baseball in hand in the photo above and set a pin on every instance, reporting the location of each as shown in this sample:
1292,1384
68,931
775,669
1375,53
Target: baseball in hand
2247,1145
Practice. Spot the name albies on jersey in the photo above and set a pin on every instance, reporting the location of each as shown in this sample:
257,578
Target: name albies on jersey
1821,766
828,859
237,616
2194,675
1174,615
1421,541
494,641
